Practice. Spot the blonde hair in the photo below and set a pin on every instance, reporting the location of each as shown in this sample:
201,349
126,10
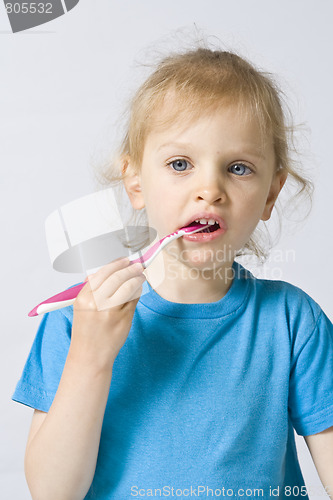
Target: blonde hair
200,80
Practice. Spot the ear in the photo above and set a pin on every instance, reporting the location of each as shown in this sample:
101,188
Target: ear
277,184
132,182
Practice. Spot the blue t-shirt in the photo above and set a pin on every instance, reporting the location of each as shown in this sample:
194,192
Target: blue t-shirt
204,398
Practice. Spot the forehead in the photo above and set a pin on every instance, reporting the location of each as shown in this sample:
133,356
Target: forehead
224,124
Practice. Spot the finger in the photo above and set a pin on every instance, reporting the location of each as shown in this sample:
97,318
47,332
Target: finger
111,284
96,279
130,290
137,294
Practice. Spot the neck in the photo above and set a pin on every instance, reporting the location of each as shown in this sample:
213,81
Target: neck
182,284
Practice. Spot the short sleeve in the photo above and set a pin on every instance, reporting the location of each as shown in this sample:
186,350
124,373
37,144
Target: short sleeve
43,369
311,378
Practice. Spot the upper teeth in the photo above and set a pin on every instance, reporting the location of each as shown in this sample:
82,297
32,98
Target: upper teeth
211,222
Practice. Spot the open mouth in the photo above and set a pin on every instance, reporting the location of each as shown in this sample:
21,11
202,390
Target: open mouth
213,225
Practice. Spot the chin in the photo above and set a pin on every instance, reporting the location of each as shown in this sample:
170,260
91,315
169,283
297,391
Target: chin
207,258
202,264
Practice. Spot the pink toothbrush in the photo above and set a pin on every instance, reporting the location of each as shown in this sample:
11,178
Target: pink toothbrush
67,297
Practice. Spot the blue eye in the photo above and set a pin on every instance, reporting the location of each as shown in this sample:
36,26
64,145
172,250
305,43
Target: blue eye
179,165
240,168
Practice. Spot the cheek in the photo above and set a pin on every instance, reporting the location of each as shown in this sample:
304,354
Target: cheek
160,193
247,216
252,202
157,204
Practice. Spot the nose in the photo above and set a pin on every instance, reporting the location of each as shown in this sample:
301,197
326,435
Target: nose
210,189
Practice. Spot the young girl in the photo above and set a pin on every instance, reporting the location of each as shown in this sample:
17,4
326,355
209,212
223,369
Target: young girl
190,385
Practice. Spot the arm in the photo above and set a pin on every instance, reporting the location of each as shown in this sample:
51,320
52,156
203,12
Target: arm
62,448
63,444
321,449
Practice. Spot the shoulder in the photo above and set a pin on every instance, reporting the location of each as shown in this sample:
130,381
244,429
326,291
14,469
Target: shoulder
55,330
66,314
63,315
287,303
285,295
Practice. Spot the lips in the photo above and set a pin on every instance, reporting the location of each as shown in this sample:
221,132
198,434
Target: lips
213,232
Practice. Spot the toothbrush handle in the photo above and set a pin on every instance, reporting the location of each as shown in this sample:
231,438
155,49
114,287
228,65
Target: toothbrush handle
62,299
67,297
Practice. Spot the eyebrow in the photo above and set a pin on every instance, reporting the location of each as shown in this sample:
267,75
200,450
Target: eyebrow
257,152
174,144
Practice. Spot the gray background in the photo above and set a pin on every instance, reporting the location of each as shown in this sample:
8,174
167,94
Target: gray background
63,86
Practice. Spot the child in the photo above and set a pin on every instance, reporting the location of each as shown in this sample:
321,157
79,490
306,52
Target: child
211,368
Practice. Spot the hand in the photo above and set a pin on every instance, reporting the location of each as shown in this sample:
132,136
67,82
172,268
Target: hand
104,309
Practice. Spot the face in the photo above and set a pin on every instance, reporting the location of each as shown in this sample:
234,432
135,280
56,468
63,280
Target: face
215,168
